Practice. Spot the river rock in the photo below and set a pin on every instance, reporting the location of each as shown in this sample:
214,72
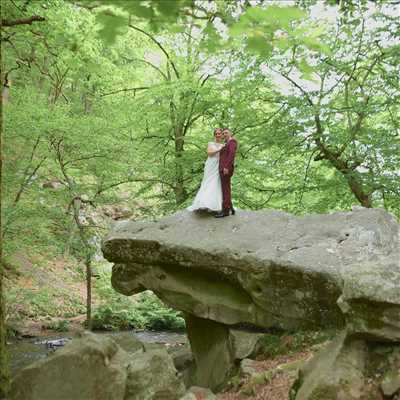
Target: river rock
128,342
96,367
92,367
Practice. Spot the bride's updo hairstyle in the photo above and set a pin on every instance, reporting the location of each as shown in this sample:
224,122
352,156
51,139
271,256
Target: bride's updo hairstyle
217,130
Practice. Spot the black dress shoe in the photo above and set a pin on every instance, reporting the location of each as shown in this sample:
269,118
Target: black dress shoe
221,214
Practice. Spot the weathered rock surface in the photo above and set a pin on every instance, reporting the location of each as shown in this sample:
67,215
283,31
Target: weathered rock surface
128,342
265,269
337,372
183,360
350,369
85,369
268,268
96,367
214,358
182,356
245,344
391,383
198,393
247,368
153,376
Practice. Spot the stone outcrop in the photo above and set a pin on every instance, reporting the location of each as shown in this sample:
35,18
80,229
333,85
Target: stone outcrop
96,367
153,376
338,368
351,369
83,369
182,358
266,269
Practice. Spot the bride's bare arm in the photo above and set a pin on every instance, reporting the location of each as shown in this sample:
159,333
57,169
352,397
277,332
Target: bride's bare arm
212,149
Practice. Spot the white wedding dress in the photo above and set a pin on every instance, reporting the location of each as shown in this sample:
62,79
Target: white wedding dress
209,196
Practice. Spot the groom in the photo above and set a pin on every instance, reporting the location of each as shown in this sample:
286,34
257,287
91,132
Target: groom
226,167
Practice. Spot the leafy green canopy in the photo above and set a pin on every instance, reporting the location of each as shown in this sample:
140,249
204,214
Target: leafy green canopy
117,101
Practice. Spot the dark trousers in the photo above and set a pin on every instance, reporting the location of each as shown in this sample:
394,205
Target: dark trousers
226,192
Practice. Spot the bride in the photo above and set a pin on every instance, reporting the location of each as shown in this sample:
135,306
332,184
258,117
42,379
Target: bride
209,196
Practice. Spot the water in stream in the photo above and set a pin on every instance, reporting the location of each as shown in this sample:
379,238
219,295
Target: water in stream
26,351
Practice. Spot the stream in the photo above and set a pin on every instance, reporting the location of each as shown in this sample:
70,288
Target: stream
26,351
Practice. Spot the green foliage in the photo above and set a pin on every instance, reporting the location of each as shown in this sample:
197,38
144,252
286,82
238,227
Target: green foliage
110,134
24,303
121,114
143,311
116,100
113,25
60,326
288,343
148,313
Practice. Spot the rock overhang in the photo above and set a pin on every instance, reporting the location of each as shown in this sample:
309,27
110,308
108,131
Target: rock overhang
267,268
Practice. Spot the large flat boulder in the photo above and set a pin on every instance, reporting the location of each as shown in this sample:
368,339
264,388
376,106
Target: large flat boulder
268,268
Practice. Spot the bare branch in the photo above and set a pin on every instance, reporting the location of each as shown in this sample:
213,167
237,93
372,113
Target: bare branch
148,63
287,77
89,157
22,21
257,124
306,177
160,46
126,90
29,175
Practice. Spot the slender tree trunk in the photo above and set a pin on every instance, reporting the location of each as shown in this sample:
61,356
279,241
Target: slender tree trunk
86,96
180,191
88,263
358,191
4,368
179,138
77,204
4,371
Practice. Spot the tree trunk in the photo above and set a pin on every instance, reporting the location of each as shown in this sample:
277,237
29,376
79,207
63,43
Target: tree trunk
88,292
4,371
77,204
358,191
180,191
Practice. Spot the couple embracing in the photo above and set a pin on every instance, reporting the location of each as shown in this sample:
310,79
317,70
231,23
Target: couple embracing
215,190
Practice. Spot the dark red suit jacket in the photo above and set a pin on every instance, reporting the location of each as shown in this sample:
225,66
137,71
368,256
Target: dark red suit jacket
227,156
